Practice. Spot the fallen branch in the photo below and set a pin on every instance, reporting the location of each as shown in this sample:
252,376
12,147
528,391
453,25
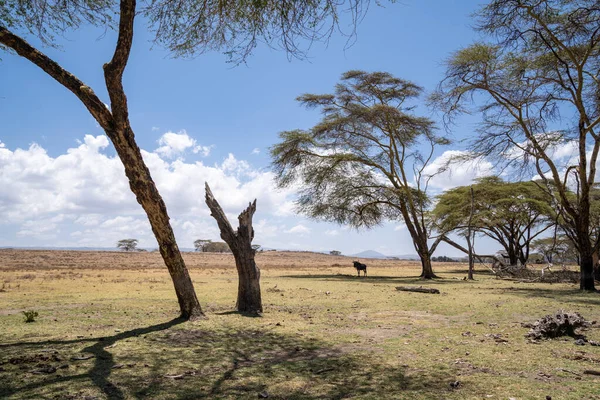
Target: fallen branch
591,372
419,289
570,372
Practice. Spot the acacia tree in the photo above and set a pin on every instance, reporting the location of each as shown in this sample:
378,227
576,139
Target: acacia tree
127,244
512,214
361,164
536,84
201,244
187,29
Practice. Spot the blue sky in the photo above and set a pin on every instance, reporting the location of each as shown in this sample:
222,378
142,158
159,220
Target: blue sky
196,120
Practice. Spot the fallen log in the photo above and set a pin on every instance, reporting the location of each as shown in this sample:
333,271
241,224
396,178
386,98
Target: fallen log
418,289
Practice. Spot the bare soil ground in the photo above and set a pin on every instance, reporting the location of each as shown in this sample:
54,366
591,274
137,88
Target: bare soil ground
107,328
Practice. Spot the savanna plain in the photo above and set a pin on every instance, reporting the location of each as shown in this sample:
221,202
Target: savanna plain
107,328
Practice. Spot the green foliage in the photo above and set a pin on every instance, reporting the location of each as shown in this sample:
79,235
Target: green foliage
535,84
236,27
443,259
511,213
190,28
201,244
47,18
356,165
217,247
365,161
30,315
127,244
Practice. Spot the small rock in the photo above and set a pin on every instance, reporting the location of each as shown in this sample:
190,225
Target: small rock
455,384
263,395
580,342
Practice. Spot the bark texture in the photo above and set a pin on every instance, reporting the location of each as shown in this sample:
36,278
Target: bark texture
115,122
426,267
240,242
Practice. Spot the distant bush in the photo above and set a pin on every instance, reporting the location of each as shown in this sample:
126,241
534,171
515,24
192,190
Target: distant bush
30,315
335,253
217,247
443,259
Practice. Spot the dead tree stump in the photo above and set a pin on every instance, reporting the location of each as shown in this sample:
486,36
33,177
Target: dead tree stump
240,243
562,323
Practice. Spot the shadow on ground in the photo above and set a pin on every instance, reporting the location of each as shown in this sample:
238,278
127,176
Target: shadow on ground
185,362
375,279
574,295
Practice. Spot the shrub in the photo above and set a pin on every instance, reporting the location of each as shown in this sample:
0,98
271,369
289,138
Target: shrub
30,315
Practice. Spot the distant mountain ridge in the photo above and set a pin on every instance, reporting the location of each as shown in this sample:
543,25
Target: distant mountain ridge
376,254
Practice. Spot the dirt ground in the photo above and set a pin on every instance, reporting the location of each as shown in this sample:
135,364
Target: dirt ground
107,328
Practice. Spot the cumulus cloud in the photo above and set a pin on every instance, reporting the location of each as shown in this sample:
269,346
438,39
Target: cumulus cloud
455,171
299,229
89,186
176,144
256,150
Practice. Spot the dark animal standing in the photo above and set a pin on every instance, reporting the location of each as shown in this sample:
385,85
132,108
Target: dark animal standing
360,267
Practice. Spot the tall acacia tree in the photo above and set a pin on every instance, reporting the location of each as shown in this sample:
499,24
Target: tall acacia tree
536,84
362,164
513,214
187,29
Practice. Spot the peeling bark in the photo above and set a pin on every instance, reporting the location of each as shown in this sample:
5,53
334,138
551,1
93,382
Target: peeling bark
240,243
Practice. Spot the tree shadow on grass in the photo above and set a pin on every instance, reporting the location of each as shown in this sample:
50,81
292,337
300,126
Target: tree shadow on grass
98,374
411,280
574,296
191,362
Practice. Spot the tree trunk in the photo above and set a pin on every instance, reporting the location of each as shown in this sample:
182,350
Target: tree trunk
147,195
596,259
240,242
426,268
470,237
115,122
586,268
513,258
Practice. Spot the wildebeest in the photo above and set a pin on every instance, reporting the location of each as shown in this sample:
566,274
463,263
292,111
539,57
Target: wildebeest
360,267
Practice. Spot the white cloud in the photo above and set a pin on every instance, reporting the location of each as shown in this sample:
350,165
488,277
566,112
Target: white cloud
332,232
176,144
155,129
400,227
299,229
84,194
455,170
256,150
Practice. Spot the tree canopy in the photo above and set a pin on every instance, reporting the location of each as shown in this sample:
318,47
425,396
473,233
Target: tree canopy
363,164
511,213
535,84
127,244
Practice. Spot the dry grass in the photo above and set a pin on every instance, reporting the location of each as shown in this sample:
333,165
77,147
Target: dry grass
325,333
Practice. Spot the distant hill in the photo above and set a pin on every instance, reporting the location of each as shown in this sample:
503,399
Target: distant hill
369,254
376,254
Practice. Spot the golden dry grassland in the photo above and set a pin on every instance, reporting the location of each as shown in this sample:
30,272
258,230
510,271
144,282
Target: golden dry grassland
107,328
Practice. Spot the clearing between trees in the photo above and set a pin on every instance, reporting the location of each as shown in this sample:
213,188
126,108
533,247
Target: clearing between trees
105,329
